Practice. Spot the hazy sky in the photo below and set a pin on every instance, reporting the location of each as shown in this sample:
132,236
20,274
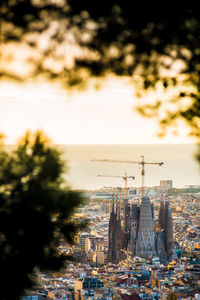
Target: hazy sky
179,165
91,117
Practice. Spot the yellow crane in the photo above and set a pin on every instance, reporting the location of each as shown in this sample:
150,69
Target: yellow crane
142,162
125,177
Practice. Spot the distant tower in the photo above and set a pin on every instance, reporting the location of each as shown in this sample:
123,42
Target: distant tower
115,235
160,240
166,185
146,233
134,227
168,232
161,217
166,228
160,247
126,224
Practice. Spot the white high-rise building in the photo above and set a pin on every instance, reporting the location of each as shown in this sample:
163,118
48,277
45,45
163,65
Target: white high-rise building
166,185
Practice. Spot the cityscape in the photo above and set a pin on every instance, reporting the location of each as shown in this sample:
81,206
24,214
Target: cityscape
99,150
141,243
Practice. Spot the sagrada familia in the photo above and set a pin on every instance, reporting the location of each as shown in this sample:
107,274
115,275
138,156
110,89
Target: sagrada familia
137,233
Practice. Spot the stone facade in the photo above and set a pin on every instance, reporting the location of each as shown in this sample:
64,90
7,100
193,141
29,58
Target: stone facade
115,234
146,233
140,236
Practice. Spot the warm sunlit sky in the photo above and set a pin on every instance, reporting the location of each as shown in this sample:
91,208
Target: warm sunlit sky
91,117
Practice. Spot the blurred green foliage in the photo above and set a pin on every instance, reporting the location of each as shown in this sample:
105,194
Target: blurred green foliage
156,45
36,213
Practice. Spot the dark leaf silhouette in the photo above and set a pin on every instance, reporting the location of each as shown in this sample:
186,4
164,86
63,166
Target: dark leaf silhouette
74,41
36,213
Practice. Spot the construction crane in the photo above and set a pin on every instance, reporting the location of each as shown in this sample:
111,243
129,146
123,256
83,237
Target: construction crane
142,162
125,177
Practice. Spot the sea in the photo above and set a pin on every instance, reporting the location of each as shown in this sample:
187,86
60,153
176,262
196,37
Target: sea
180,165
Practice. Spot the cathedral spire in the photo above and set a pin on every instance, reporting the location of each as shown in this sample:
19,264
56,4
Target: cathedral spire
161,217
166,226
114,237
169,231
146,233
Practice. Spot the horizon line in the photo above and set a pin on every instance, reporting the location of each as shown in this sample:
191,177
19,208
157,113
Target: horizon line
110,144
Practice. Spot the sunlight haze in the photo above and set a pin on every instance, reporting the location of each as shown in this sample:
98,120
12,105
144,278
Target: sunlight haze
105,116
